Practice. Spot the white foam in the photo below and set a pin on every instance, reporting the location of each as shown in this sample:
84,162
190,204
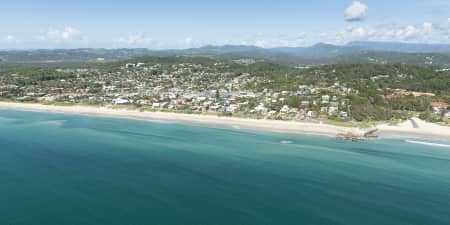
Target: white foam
428,143
286,142
236,127
7,119
53,122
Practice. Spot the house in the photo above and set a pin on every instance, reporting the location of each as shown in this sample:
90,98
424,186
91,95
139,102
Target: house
315,102
180,106
439,107
312,114
303,90
447,114
272,113
243,104
261,109
284,109
293,111
214,108
120,101
232,108
332,110
130,65
325,99
156,105
48,98
343,115
304,104
334,104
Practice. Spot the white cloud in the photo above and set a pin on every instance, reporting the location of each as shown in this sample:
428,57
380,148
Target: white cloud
67,33
422,33
10,38
276,41
136,40
261,43
9,42
402,33
187,42
448,20
259,34
413,33
295,41
356,11
428,26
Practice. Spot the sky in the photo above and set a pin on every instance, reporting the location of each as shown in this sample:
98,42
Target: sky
179,24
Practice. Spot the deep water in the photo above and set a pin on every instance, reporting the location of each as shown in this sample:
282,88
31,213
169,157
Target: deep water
61,169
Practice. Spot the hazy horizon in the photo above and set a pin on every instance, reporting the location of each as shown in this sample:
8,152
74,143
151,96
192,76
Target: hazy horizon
227,45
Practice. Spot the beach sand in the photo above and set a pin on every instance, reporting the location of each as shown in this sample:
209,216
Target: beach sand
416,127
413,128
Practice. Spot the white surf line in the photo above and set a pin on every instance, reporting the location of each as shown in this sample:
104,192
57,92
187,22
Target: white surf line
428,143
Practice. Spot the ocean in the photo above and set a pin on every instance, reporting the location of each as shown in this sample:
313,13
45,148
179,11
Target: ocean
64,169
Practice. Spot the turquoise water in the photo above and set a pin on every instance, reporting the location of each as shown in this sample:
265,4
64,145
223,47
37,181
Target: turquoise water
58,169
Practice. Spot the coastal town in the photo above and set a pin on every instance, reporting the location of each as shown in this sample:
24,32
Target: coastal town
210,89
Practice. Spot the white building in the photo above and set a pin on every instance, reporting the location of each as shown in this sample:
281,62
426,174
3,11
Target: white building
285,109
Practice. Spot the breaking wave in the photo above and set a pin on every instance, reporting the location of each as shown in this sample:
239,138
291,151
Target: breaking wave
428,143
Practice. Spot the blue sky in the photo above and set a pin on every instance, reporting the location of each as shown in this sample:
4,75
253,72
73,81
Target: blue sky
184,23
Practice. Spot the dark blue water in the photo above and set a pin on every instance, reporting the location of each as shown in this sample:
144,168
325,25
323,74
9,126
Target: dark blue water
57,170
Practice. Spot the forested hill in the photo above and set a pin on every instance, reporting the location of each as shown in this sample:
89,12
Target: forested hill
355,52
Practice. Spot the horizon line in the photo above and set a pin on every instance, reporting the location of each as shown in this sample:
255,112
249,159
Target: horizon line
226,45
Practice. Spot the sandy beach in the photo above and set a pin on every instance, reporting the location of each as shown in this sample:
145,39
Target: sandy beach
412,128
416,128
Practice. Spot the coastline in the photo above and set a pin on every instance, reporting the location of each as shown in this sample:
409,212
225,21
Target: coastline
426,130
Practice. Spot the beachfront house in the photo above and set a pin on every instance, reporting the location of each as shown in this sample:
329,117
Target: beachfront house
261,109
284,109
343,115
232,108
439,107
312,114
120,101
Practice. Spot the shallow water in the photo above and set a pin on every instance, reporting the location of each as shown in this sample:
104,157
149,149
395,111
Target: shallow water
58,169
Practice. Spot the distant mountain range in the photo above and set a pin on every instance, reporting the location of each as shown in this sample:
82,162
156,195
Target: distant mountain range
354,52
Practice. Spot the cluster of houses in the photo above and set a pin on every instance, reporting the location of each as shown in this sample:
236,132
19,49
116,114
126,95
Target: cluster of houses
195,87
227,100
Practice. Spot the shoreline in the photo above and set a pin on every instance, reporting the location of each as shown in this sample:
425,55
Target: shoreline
426,130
